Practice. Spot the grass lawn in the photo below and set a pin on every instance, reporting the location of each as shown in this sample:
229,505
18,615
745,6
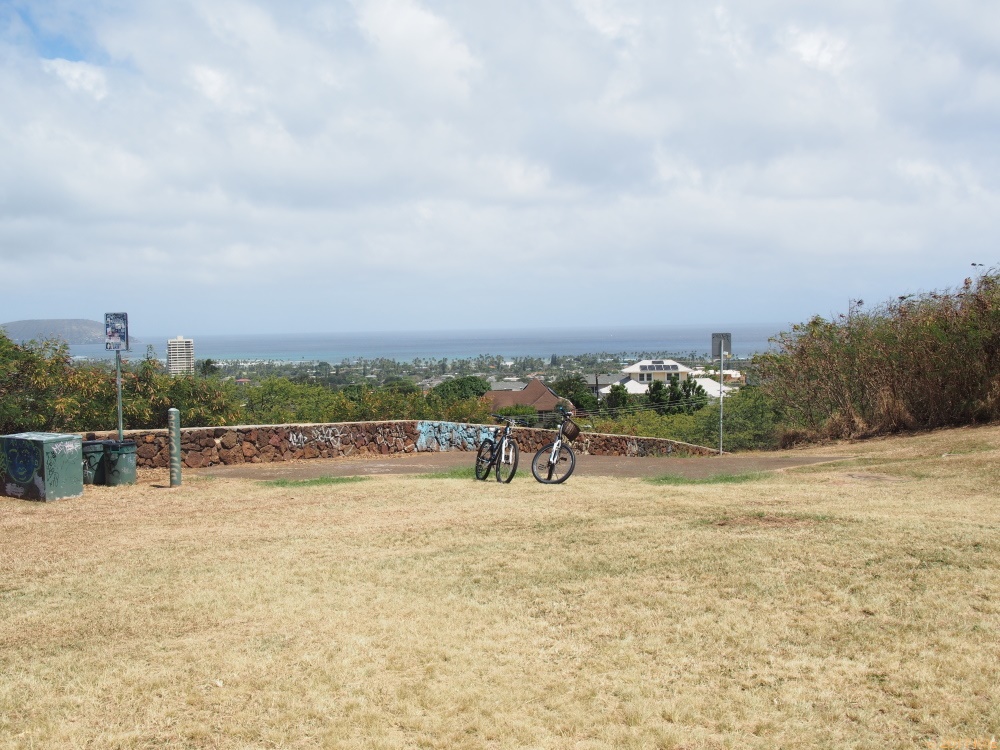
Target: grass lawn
846,605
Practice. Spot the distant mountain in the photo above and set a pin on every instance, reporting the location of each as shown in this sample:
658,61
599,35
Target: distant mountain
74,331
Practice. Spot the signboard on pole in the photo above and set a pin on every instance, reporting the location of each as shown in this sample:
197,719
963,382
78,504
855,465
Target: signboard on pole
116,332
722,343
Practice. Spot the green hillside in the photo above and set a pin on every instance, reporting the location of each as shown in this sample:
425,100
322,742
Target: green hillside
72,331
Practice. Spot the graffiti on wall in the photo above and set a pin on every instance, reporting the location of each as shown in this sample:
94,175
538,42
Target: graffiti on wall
445,436
328,436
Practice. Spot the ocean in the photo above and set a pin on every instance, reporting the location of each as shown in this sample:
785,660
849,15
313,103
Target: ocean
409,345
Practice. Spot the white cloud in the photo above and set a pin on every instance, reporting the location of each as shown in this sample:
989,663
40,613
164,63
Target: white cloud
359,150
79,76
611,18
420,45
819,49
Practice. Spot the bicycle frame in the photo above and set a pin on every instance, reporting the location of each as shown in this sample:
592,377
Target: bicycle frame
554,456
554,463
503,453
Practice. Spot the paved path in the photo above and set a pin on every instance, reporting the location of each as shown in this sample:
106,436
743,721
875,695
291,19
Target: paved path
606,466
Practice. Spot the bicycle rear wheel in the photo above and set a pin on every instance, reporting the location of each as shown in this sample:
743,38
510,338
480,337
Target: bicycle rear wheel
553,473
484,457
507,461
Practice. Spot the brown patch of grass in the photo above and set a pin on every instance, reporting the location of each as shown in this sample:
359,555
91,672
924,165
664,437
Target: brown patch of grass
769,520
410,612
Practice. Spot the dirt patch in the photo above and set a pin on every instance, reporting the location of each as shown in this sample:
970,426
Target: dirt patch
604,466
767,520
874,478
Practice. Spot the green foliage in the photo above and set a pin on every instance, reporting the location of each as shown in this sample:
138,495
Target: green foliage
400,384
526,415
466,387
676,397
42,389
648,423
751,422
280,401
574,387
207,367
618,397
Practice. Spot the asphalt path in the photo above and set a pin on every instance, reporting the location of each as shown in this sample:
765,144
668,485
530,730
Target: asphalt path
593,466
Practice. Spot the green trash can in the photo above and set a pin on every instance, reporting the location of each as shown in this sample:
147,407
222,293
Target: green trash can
93,461
119,462
40,466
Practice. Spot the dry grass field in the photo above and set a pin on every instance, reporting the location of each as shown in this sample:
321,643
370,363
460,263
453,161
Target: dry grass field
847,605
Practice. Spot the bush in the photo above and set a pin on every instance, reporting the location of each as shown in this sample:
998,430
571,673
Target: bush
469,386
41,389
575,388
916,362
525,414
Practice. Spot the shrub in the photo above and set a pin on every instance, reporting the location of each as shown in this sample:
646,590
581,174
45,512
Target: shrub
916,362
525,414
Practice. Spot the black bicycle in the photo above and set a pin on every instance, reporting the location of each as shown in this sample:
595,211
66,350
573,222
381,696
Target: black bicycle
501,452
555,462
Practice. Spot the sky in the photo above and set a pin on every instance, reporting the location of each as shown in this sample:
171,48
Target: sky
229,166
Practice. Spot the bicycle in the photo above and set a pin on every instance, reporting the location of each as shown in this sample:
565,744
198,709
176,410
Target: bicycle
555,462
501,452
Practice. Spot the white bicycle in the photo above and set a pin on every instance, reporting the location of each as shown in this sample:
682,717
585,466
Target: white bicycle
555,462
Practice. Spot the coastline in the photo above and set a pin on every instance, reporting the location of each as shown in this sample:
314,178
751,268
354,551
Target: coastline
682,341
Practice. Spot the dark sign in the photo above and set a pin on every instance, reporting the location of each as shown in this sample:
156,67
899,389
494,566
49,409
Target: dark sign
116,332
722,342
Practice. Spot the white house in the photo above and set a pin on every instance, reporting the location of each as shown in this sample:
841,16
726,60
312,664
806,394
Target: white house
712,387
632,387
648,370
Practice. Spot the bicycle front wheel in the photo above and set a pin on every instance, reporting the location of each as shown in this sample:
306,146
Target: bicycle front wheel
507,461
483,459
548,472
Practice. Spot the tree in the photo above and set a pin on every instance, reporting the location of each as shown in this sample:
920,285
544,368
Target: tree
399,384
618,397
658,396
470,386
208,367
524,413
574,387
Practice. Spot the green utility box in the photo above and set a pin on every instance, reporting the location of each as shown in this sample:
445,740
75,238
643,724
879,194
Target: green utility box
41,465
119,462
93,462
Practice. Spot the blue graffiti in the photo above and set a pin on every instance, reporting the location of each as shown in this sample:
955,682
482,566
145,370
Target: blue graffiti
446,436
22,459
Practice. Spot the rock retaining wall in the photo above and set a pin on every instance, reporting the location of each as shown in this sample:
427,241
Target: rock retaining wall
208,446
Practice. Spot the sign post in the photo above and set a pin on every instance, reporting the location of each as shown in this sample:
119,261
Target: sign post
721,344
116,339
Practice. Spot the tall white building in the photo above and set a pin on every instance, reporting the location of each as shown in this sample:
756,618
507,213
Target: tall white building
180,356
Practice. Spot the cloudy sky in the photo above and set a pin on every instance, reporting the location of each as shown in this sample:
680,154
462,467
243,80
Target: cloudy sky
241,166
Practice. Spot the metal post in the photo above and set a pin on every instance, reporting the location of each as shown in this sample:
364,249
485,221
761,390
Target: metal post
118,380
174,428
722,366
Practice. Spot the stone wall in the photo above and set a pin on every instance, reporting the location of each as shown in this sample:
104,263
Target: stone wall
208,446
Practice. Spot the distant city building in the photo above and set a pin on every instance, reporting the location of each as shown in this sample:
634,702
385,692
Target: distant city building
180,356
